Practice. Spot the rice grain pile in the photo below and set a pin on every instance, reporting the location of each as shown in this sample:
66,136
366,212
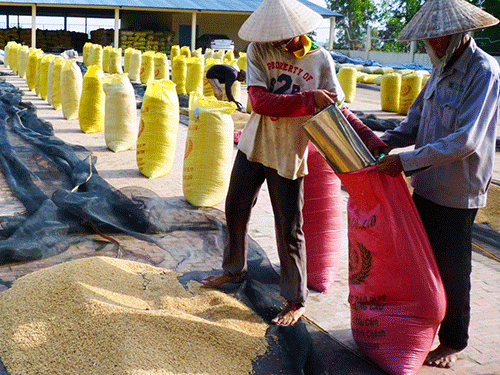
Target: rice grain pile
104,316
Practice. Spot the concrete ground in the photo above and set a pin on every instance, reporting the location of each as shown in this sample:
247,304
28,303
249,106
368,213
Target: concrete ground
329,311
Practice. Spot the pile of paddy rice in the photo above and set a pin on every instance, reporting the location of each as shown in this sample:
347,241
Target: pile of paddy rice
104,316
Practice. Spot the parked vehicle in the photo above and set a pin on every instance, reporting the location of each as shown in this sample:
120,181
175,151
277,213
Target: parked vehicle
215,42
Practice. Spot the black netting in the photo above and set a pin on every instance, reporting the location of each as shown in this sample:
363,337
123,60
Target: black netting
71,212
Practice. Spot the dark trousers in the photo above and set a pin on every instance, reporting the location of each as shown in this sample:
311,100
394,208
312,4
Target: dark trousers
450,234
287,199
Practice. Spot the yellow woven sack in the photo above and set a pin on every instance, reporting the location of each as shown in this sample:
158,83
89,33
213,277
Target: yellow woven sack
179,73
390,88
49,80
31,70
366,77
162,67
15,52
207,87
404,71
242,61
14,57
106,55
96,55
134,68
233,63
147,67
44,75
91,110
120,113
115,61
208,154
197,53
209,53
186,51
87,48
229,55
218,55
425,78
175,51
235,90
370,69
194,75
126,59
71,89
158,128
38,73
378,80
411,84
6,53
347,76
56,83
23,61
249,105
384,70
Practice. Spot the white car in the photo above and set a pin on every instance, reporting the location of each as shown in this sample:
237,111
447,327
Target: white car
222,44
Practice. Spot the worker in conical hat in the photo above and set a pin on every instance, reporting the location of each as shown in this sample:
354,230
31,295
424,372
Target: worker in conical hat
452,124
290,78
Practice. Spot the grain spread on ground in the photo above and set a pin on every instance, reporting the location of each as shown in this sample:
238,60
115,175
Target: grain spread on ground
103,315
489,214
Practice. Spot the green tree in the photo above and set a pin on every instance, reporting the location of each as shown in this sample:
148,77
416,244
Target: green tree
489,38
389,17
393,16
352,27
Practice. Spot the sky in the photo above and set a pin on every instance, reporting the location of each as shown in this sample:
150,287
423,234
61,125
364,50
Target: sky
323,32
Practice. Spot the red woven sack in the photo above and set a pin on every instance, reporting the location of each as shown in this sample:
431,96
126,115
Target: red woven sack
322,221
396,294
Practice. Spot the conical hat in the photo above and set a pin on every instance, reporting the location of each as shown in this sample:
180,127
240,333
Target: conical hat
445,17
275,20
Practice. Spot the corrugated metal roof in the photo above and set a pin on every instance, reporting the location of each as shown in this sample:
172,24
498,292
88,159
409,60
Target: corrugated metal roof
230,6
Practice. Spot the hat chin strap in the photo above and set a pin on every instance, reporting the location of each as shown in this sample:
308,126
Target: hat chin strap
439,63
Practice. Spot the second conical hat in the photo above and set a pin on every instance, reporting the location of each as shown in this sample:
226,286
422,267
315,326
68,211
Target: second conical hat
275,20
445,17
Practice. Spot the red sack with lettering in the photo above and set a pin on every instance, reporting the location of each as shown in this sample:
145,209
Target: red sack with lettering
322,226
396,294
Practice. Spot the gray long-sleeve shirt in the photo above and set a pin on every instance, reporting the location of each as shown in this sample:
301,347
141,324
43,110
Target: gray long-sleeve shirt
452,124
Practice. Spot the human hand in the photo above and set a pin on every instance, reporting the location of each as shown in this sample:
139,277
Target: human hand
323,98
390,164
380,152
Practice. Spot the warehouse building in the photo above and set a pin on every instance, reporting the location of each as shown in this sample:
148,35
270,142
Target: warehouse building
162,23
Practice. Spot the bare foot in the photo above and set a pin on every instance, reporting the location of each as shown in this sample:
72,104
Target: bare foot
290,314
217,280
443,357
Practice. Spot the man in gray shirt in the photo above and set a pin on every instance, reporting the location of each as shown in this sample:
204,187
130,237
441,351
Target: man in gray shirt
452,124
